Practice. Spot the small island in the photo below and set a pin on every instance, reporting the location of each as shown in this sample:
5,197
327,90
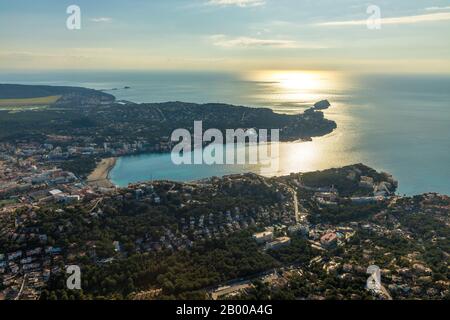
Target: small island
322,105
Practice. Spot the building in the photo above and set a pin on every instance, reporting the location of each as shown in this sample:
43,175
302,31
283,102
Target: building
55,192
366,200
278,243
299,229
326,198
329,239
117,247
263,237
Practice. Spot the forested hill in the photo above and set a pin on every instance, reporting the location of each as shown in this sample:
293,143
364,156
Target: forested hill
18,91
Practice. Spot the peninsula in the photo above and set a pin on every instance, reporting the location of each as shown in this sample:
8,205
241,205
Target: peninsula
83,126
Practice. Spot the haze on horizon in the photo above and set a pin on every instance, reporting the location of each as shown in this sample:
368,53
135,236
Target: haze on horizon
226,35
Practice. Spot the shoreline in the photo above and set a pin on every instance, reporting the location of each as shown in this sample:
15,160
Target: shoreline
100,176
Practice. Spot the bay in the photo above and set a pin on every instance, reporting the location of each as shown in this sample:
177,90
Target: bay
395,123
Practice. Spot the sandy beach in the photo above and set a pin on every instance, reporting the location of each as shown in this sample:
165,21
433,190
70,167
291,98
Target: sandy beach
99,177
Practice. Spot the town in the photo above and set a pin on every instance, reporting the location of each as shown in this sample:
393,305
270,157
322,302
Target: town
48,218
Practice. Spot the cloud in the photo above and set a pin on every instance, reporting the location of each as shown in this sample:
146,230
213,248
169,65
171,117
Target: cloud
101,19
238,3
432,17
437,8
223,41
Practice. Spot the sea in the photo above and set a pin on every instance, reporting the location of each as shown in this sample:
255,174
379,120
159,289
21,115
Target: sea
394,123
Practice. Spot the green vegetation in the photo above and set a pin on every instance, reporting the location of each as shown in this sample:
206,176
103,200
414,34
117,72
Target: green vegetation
81,166
314,284
33,102
180,275
153,123
345,212
342,179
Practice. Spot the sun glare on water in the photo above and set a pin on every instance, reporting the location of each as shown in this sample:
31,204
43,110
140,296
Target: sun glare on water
292,92
295,80
293,88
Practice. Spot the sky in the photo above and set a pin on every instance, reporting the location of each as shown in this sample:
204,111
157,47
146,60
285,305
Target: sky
227,35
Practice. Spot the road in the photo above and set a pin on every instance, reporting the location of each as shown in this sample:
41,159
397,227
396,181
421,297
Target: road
386,292
294,194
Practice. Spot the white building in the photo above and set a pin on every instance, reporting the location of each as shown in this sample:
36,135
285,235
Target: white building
278,243
263,237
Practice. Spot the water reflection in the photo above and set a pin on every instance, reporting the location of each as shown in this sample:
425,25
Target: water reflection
292,92
285,92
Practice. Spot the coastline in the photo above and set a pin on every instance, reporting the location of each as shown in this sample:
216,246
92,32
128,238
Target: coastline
100,176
